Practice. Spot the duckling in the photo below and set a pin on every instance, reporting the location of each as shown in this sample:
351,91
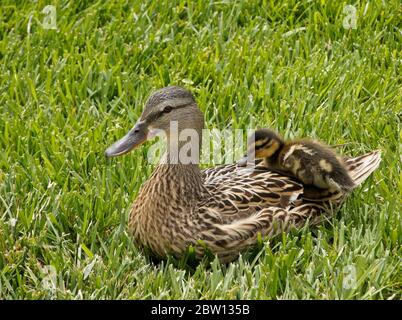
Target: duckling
312,162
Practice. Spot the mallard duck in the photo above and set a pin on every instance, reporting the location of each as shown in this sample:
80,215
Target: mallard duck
225,209
310,161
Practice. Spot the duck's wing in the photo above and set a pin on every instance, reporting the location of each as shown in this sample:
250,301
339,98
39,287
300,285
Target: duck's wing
223,171
226,240
243,186
361,167
218,172
237,190
246,200
247,203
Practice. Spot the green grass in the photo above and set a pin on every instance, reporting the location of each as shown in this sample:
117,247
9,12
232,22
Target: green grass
67,94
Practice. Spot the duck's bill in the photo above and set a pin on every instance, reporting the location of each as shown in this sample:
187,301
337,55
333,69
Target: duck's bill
135,137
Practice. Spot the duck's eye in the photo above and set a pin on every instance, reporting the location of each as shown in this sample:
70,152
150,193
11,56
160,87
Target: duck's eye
167,109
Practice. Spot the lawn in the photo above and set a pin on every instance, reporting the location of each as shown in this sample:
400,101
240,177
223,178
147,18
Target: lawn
300,67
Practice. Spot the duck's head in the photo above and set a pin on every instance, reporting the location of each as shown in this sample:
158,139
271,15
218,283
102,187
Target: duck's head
170,107
264,143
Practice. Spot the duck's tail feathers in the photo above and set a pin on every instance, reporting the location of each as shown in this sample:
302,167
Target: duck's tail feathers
361,167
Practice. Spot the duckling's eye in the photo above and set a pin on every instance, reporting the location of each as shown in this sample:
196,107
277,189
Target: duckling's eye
167,109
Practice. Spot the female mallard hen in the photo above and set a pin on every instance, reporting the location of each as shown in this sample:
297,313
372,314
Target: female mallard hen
224,209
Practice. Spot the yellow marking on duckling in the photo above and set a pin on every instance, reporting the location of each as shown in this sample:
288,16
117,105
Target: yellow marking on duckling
268,151
287,154
305,149
325,165
259,143
295,147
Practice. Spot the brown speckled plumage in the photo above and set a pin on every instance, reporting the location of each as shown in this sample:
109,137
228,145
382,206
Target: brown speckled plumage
224,208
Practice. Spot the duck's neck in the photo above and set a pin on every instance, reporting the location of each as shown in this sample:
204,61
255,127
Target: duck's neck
179,182
179,167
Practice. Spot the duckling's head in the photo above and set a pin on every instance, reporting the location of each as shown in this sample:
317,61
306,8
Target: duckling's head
264,143
169,110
